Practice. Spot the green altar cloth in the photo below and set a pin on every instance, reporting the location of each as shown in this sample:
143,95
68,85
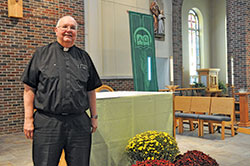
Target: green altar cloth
122,115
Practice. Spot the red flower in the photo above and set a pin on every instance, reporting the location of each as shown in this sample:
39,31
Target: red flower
195,158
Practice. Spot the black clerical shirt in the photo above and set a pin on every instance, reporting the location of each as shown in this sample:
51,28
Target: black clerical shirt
61,79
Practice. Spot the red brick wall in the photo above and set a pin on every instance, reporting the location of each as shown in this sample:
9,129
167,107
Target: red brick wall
238,29
18,40
238,35
120,84
177,41
247,22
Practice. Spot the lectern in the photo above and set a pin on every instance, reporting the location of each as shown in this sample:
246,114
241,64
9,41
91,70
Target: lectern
209,77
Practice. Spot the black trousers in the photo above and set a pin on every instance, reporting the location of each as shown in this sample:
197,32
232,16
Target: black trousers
53,133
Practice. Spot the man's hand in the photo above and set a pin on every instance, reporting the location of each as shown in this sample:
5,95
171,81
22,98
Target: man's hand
92,108
28,128
94,123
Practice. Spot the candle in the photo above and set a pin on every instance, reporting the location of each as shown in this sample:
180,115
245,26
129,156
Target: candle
226,78
232,70
171,70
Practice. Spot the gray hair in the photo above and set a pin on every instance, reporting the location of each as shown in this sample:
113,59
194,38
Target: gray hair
58,22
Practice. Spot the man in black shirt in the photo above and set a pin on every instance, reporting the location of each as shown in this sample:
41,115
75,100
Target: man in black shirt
60,82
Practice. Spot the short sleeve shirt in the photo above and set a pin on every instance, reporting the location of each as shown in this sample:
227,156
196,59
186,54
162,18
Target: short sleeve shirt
61,79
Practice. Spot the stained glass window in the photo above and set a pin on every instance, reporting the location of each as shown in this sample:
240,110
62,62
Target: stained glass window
194,45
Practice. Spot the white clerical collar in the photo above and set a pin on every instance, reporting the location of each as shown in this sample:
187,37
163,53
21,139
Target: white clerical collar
65,49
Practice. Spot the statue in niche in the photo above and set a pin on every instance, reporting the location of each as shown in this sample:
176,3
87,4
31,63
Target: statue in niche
161,25
158,16
154,8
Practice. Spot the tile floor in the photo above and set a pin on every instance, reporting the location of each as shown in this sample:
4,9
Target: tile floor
233,151
15,150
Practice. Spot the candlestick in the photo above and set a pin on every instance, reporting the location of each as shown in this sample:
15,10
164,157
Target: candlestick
171,70
232,70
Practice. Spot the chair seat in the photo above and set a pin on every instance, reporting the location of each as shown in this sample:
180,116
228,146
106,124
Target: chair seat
186,115
214,117
203,117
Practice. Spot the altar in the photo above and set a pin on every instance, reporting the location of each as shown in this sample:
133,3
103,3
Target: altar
122,115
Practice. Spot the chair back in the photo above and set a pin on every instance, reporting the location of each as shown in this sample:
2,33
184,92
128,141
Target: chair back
182,103
200,104
104,88
222,105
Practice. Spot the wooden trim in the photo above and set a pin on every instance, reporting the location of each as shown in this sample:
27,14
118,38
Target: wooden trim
243,130
244,121
103,88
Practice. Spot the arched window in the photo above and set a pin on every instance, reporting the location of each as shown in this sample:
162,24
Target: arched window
194,45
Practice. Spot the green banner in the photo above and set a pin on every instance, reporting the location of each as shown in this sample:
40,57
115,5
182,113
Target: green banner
143,51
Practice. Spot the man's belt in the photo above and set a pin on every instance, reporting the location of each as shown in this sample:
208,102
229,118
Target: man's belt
59,114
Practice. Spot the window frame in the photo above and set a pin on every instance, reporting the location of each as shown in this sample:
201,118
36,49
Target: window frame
194,30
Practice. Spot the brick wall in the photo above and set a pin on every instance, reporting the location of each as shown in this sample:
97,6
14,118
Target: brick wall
177,41
120,84
19,39
247,22
238,29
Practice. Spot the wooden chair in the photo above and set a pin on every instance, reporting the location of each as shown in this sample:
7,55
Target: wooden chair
222,111
182,104
104,88
201,105
191,109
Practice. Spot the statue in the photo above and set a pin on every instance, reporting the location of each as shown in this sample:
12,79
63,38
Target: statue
158,16
154,8
161,26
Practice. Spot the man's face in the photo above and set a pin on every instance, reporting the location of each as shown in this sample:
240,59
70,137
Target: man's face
66,32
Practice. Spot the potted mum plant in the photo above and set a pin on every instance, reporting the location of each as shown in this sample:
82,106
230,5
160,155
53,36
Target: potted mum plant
152,145
195,158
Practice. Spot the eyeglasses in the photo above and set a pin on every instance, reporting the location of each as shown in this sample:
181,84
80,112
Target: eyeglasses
65,27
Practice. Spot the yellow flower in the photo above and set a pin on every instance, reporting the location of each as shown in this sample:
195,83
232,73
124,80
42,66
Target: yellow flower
152,143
